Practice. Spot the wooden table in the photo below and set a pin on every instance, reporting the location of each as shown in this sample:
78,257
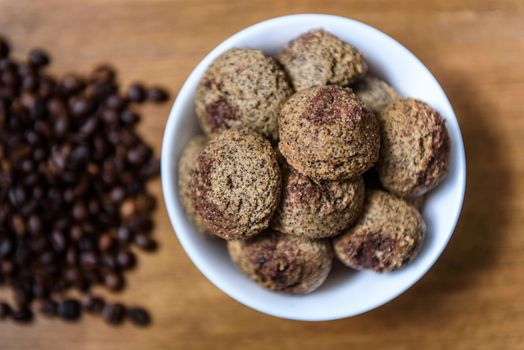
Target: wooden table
474,296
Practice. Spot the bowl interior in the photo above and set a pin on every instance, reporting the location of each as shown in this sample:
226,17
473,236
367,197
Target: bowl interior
346,292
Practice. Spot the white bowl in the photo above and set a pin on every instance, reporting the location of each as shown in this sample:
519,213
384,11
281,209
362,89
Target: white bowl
345,293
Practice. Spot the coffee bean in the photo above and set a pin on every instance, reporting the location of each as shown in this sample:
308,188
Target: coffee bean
115,102
22,315
80,211
69,309
124,234
128,209
29,83
80,106
117,194
103,73
93,304
39,58
58,241
126,259
18,225
5,309
129,117
138,154
145,242
35,224
72,83
6,246
157,94
139,316
113,313
110,116
7,267
4,48
113,281
136,93
105,242
88,260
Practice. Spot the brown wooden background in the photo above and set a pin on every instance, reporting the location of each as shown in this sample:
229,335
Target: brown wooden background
472,299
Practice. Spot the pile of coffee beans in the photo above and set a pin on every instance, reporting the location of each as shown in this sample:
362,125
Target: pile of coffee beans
73,196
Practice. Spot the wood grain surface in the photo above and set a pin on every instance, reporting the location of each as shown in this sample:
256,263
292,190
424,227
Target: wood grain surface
473,298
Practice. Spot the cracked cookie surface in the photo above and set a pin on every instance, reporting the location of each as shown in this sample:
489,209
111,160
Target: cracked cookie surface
242,88
387,236
283,263
414,155
235,185
318,58
316,210
326,133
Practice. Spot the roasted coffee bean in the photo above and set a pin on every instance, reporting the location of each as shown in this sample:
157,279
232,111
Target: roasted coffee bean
110,116
103,73
129,117
128,209
105,242
5,309
58,241
145,242
115,102
81,106
72,83
124,234
4,48
125,259
23,314
93,304
80,211
114,313
157,94
138,154
6,246
118,194
39,58
139,316
113,281
136,93
69,309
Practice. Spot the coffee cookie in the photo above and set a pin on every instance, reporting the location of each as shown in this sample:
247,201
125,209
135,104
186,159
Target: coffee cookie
326,133
386,237
318,58
235,185
185,166
317,210
283,263
415,148
242,88
375,93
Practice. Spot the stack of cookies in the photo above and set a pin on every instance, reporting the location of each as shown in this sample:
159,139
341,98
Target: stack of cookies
307,156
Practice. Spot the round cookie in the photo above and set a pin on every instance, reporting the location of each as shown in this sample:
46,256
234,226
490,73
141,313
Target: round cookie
235,185
415,148
242,88
375,93
317,210
283,263
326,133
185,166
387,236
318,58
